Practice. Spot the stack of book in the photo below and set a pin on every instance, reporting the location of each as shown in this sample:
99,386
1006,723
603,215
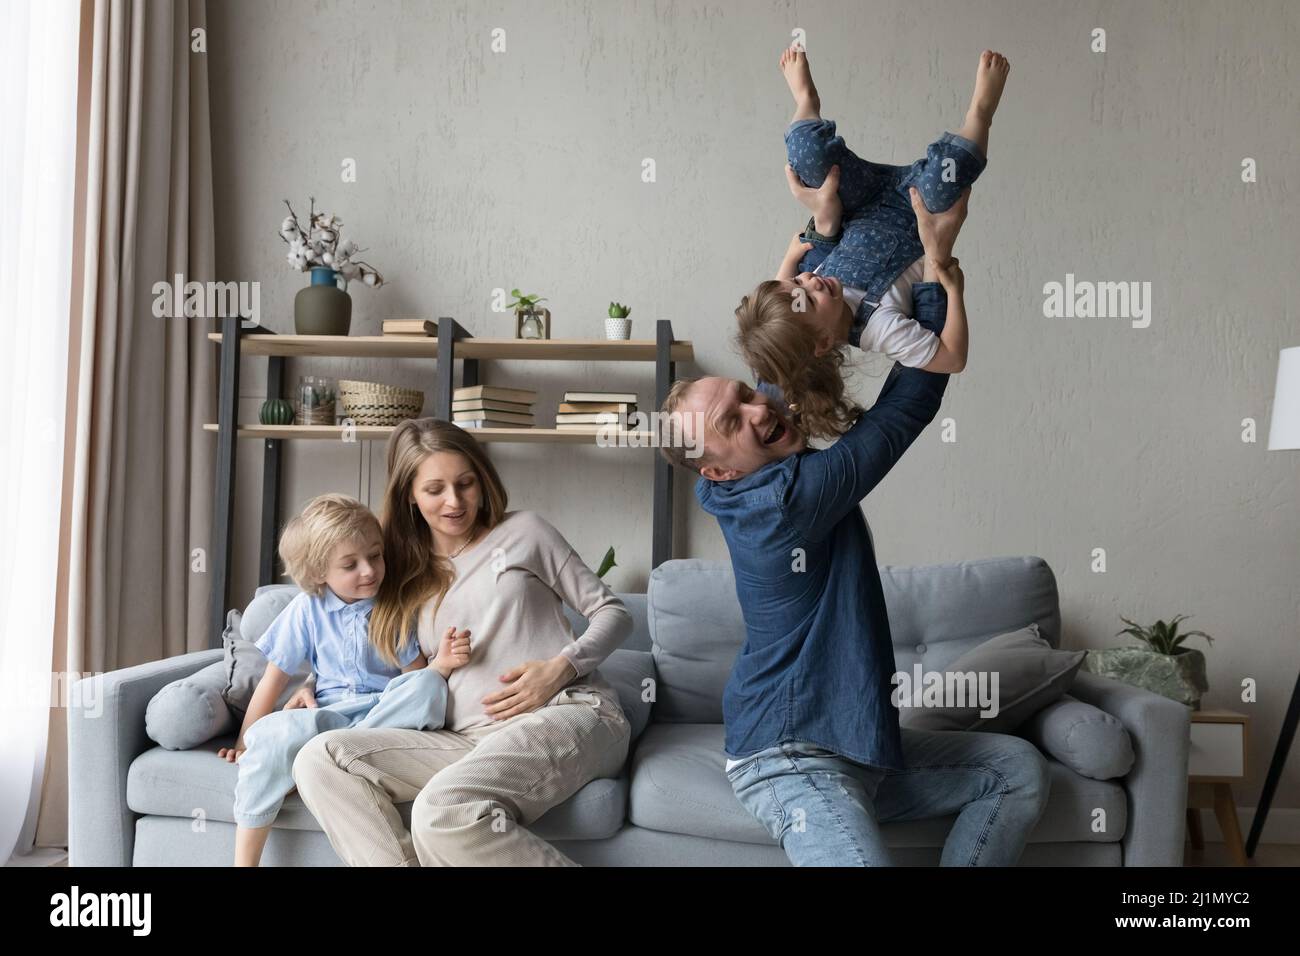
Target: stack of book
410,328
489,406
591,411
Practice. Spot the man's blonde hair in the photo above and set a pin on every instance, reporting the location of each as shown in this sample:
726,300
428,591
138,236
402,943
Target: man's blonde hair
310,538
672,444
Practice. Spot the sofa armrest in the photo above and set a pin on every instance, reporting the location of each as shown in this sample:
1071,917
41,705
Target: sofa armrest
106,733
1157,784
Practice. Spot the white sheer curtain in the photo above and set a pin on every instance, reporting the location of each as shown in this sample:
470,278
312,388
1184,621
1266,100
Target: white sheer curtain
38,89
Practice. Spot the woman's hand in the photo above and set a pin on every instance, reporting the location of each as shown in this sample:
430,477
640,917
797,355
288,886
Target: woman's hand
824,201
938,231
529,686
232,754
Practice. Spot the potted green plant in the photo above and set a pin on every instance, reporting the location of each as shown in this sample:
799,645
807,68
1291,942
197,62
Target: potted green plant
618,325
606,563
1159,663
530,321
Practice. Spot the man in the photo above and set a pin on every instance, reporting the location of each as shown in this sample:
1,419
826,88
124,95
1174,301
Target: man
816,752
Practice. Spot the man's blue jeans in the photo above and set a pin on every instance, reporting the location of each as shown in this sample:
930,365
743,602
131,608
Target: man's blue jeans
826,810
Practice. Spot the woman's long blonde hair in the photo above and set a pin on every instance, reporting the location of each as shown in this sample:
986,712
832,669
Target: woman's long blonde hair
413,573
779,348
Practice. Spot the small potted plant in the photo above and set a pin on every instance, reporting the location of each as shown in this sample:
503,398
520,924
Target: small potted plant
1159,664
530,321
618,325
606,563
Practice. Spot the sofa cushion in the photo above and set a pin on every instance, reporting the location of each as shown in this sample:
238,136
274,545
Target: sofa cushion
1030,675
936,613
679,786
192,710
1085,738
197,784
245,664
632,673
638,640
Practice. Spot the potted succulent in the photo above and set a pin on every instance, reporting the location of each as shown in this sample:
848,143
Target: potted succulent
1159,664
275,411
530,321
324,307
618,325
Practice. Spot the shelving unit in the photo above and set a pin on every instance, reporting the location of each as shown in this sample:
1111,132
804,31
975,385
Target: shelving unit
453,344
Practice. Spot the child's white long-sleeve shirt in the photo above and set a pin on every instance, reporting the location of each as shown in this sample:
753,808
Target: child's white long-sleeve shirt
891,330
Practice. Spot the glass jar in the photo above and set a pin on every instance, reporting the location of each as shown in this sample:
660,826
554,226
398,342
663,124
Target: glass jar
531,327
313,403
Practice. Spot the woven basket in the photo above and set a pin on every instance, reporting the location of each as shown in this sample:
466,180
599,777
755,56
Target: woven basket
370,403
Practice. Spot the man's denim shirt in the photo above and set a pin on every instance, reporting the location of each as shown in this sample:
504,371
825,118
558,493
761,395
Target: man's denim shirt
818,657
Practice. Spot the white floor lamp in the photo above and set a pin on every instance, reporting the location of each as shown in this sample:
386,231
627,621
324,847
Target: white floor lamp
1283,432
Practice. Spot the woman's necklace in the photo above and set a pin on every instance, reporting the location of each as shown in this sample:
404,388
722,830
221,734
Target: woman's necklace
472,536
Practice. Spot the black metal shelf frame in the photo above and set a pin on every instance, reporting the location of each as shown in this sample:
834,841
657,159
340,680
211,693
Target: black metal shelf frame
450,332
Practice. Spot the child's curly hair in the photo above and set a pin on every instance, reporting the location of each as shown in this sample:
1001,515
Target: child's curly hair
775,343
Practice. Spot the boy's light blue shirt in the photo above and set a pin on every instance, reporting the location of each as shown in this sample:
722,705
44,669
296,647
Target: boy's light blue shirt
335,636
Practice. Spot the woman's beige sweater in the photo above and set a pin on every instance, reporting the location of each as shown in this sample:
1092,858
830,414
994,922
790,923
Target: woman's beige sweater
509,590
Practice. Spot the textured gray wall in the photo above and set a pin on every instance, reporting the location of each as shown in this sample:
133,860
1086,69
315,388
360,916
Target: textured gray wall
479,170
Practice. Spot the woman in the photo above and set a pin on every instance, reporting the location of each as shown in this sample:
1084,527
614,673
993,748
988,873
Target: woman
529,721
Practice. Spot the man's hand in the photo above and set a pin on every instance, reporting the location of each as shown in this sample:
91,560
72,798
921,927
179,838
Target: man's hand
823,202
951,277
939,231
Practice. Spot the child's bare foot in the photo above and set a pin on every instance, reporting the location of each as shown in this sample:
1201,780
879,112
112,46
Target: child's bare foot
990,78
794,65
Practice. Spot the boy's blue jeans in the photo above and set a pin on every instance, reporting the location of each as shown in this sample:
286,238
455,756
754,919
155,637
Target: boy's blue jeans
416,700
825,810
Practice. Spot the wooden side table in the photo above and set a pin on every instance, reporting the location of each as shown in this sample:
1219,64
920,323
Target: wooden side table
1216,760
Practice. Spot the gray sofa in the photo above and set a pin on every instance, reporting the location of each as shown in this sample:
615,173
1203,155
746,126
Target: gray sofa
135,803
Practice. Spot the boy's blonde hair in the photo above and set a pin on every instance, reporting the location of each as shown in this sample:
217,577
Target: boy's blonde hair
310,538
775,342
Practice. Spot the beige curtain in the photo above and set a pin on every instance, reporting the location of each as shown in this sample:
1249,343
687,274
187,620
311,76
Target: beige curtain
138,468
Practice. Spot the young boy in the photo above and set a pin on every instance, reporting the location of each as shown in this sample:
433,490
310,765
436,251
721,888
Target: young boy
334,552
852,285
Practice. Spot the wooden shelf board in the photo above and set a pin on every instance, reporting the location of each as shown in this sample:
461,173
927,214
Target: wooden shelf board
381,433
556,350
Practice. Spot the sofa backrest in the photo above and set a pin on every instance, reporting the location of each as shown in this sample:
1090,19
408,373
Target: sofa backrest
638,640
936,613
